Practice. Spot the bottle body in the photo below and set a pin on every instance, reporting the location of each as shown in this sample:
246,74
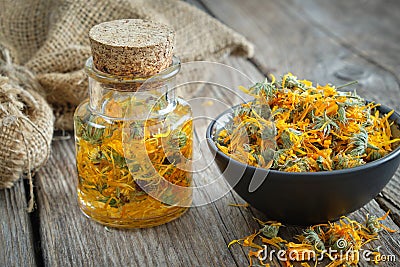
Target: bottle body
133,154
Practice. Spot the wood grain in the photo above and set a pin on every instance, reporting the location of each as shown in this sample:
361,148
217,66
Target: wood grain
299,46
17,247
389,198
198,238
326,41
286,41
369,28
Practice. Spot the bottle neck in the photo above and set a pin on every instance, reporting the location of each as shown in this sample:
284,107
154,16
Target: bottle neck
120,104
119,97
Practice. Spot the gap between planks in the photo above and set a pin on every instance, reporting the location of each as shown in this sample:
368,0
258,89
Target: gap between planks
73,244
232,11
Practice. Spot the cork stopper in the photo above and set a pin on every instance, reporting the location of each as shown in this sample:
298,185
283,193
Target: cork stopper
132,47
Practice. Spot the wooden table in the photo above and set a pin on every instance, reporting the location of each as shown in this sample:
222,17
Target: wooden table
325,41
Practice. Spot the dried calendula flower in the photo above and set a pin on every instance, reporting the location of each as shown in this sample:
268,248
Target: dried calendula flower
336,244
116,179
294,126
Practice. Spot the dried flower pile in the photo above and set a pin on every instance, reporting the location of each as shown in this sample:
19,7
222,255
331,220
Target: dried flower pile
315,128
341,243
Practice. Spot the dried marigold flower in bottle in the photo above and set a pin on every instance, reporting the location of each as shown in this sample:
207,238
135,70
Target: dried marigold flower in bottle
133,135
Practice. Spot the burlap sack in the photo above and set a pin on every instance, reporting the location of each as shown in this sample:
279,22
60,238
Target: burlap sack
50,38
26,126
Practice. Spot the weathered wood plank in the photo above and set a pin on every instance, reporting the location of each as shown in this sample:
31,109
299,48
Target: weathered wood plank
369,28
71,239
290,232
224,96
389,198
389,242
296,45
16,236
286,41
199,238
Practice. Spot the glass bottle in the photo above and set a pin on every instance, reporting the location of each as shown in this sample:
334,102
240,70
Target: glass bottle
133,149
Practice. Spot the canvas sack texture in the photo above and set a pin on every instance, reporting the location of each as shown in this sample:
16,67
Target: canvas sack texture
50,38
48,41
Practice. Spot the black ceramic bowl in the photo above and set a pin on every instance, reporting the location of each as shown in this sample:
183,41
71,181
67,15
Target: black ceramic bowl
309,197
